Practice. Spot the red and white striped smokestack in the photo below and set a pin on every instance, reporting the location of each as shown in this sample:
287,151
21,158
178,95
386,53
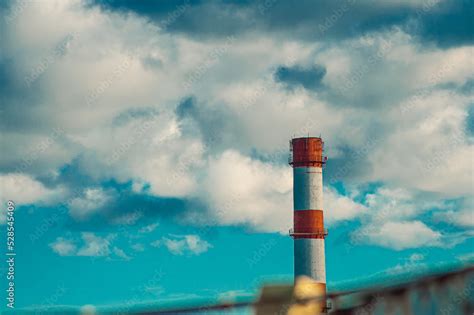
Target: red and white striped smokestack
306,157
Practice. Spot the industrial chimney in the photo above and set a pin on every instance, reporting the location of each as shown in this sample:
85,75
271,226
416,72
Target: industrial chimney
306,158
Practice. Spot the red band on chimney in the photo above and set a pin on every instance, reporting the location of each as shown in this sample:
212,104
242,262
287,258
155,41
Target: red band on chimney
308,224
307,152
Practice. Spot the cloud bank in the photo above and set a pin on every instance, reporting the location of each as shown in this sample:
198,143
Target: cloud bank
186,110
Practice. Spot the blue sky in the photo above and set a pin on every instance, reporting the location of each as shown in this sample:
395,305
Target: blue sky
145,145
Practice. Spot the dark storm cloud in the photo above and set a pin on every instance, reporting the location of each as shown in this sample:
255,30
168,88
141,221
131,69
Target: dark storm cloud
187,108
306,19
188,16
470,120
451,25
130,209
446,23
136,113
22,89
13,95
309,78
467,87
351,163
71,174
214,124
124,201
151,206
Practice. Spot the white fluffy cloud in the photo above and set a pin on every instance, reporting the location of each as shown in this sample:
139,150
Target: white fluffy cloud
402,235
428,149
120,253
390,218
393,203
94,245
340,208
149,228
63,247
90,245
464,217
186,244
23,190
92,200
241,190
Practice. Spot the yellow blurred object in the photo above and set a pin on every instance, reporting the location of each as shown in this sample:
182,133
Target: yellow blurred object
305,298
309,297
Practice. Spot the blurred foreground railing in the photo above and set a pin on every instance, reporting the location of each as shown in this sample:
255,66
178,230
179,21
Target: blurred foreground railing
447,293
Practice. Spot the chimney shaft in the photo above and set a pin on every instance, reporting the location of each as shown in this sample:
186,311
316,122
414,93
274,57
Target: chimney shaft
308,220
